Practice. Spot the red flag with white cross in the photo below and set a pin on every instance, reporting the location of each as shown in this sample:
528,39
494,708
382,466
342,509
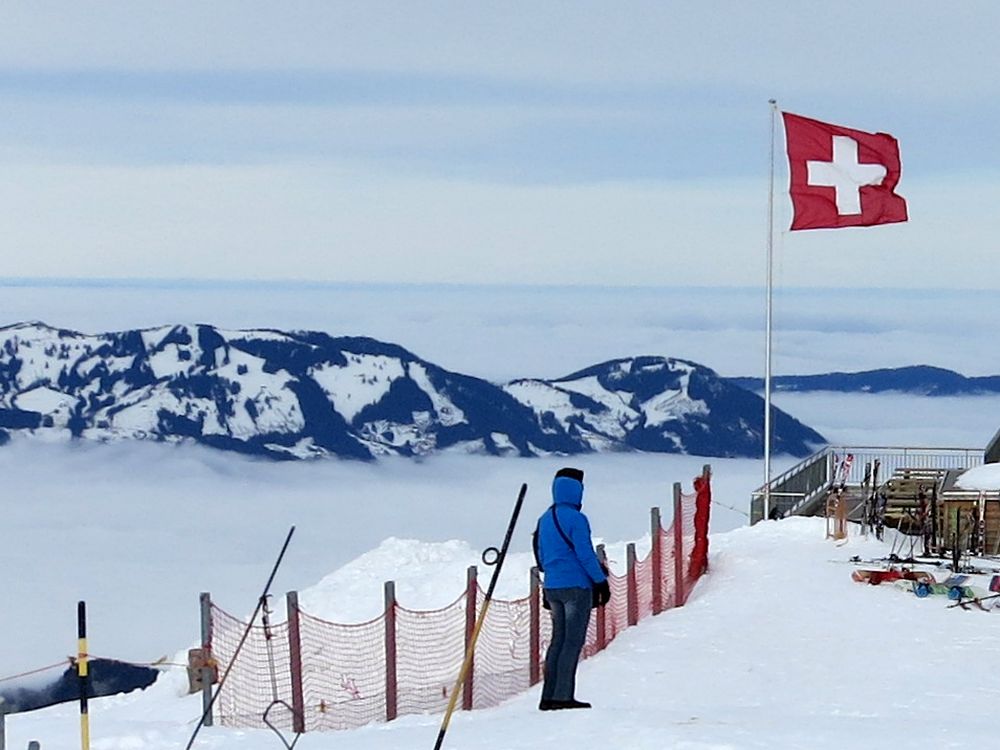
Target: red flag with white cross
841,177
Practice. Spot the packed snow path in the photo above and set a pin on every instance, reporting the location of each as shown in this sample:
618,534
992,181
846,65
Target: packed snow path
777,648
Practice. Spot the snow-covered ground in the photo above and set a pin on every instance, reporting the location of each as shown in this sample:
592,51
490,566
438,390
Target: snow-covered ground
777,648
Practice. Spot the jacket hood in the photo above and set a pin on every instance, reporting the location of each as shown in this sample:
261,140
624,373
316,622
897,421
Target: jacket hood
567,491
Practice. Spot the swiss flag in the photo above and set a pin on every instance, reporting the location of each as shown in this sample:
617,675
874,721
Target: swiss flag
841,177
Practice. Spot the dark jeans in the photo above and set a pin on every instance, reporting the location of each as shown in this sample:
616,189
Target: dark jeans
570,616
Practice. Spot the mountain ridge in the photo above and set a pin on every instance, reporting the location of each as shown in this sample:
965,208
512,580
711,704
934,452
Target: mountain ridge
299,394
923,380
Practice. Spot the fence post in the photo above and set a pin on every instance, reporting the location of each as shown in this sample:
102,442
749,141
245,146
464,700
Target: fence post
534,629
3,727
602,617
702,513
656,558
295,662
631,588
205,672
471,595
390,650
680,595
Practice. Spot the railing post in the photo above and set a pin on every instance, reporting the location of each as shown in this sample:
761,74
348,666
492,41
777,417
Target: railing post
471,595
390,651
295,662
206,672
534,629
656,558
631,588
680,594
602,618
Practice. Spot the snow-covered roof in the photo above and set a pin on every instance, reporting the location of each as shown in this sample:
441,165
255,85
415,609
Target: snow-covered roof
983,478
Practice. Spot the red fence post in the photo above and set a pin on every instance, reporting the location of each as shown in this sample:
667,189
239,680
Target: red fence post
390,651
631,587
703,508
656,558
471,595
680,595
602,617
534,630
295,662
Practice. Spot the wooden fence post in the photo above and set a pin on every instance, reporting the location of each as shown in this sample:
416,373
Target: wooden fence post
206,672
602,617
390,651
534,629
295,662
631,587
471,595
680,595
656,558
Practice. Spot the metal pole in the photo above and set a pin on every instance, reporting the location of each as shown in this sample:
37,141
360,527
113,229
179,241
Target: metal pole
767,326
3,727
243,639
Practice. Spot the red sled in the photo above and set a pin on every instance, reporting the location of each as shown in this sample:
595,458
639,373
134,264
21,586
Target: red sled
875,577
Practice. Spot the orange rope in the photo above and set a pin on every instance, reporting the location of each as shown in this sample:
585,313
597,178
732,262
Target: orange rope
66,662
69,661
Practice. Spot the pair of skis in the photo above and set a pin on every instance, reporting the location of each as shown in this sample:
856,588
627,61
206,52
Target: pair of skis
842,469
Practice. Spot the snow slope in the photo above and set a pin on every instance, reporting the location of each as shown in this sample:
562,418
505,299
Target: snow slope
777,648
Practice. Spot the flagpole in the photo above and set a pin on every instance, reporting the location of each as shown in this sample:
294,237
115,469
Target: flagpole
767,325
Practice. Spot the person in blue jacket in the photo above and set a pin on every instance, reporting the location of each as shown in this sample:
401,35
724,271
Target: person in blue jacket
573,574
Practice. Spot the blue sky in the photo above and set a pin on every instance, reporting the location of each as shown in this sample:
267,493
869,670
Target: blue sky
482,143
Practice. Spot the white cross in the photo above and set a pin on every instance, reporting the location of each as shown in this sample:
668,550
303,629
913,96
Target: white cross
845,174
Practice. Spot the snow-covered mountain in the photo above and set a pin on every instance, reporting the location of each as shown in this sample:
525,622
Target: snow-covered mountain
661,405
302,393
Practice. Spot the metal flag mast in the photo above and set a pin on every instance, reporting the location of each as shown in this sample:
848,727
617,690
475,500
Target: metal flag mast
767,324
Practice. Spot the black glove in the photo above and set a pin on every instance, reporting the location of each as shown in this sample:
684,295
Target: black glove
603,591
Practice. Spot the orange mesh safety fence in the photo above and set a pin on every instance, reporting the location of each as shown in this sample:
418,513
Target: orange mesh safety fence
259,684
343,673
406,661
431,646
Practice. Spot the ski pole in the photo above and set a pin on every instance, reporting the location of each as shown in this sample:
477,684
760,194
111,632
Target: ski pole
974,600
491,556
261,602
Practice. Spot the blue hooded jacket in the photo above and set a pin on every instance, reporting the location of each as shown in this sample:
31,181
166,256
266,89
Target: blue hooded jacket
564,567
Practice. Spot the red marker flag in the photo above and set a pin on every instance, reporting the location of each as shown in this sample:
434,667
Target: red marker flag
841,177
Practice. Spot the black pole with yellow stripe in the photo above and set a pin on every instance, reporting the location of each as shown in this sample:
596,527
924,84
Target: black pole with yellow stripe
83,673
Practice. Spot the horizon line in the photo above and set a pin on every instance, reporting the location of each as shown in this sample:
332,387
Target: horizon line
181,282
